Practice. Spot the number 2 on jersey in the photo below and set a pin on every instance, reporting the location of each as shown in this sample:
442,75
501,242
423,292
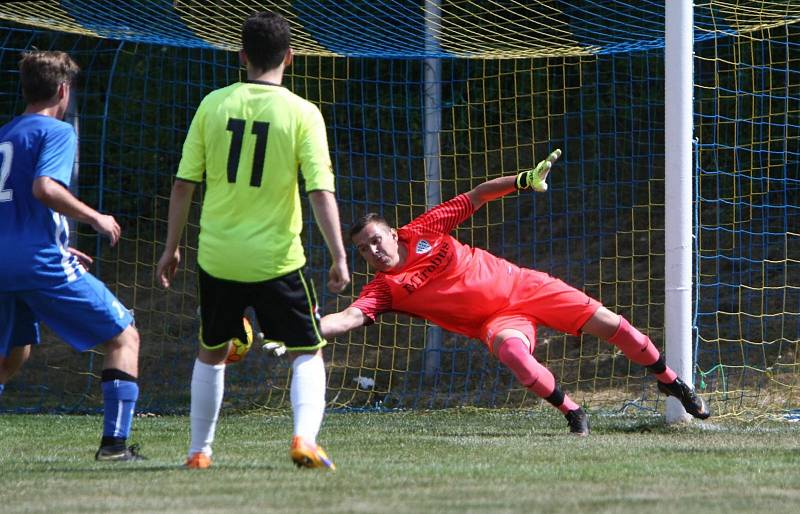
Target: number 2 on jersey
261,131
6,154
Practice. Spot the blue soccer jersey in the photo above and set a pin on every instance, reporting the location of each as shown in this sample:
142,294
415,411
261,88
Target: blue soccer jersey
33,237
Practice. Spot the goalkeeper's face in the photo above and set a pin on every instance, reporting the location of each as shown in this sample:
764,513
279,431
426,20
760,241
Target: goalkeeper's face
377,244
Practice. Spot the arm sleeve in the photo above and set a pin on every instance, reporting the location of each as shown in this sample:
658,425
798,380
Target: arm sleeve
444,217
57,154
193,158
313,153
375,299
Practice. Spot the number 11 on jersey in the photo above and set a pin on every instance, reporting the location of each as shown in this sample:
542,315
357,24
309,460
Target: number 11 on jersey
261,131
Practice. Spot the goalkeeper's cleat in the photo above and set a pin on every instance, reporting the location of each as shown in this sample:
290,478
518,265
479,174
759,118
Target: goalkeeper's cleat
692,403
198,460
119,453
578,422
536,178
307,455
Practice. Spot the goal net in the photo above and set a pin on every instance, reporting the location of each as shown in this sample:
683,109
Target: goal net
504,82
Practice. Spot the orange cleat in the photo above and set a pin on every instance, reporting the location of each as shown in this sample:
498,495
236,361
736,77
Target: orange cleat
307,455
198,460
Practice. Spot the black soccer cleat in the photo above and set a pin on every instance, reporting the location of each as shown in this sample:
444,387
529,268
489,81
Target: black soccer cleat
692,403
119,453
578,422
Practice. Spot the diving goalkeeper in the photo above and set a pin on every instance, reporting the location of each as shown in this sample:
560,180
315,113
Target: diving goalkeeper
425,272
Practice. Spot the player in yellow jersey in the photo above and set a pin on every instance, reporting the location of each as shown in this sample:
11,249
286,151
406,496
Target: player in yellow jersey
246,142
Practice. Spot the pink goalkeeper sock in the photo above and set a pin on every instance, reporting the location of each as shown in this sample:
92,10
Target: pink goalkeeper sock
638,348
535,377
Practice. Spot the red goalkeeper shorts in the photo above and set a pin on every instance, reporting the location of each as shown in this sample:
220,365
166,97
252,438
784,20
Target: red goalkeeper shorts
539,299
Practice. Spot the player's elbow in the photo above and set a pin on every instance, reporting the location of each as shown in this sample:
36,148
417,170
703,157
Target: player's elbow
44,189
477,198
321,198
183,188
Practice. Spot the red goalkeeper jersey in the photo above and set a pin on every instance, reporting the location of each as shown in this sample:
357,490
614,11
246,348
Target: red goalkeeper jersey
444,281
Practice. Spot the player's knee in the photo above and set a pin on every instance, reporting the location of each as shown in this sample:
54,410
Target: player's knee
509,335
603,324
5,371
214,356
127,341
10,365
513,352
131,339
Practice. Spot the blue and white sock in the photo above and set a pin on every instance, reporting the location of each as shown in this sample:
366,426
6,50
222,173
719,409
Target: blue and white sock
120,392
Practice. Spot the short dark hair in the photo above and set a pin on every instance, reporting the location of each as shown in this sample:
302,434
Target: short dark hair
41,72
265,39
363,221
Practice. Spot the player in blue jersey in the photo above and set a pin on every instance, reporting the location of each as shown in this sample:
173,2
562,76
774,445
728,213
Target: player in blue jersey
18,354
42,280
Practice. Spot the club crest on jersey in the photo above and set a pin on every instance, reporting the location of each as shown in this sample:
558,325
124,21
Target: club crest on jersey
423,247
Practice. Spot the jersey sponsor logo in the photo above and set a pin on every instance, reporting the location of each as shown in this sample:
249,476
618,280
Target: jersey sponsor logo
423,246
439,260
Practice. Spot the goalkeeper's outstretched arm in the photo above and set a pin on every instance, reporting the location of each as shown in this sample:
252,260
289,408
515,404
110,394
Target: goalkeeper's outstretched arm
342,322
530,179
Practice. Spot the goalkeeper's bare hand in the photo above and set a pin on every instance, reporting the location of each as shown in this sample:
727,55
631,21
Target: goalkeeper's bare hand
536,178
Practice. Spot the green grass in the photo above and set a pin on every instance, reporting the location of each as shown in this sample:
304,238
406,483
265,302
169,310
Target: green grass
441,461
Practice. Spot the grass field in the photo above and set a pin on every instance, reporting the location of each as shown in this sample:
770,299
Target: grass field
441,461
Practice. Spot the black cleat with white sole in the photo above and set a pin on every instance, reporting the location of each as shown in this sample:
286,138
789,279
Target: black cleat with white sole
119,453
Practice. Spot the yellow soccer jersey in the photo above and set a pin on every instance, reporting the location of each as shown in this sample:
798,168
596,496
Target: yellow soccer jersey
247,141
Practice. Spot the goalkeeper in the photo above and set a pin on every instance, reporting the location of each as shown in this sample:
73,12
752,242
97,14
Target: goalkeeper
424,272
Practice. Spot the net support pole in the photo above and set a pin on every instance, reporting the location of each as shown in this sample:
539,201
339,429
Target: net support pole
432,92
678,196
72,118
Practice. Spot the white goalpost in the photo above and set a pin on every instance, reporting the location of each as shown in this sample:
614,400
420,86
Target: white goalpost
433,124
678,196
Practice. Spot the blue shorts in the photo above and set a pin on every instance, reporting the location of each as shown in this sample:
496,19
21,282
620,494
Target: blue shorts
24,329
84,313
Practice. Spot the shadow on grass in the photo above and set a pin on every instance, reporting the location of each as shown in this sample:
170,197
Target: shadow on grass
130,468
638,427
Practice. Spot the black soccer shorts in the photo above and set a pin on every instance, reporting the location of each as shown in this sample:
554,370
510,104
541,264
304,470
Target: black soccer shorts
286,309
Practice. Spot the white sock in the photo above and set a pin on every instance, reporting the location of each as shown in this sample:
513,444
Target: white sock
308,395
208,384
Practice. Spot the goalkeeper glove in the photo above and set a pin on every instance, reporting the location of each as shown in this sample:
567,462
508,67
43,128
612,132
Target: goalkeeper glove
274,348
535,178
